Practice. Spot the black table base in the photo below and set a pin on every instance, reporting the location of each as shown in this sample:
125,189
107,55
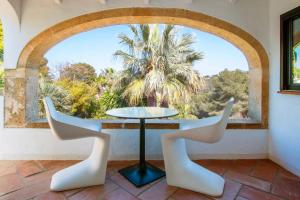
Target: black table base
140,177
142,173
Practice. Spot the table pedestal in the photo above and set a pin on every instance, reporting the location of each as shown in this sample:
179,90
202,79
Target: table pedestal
142,173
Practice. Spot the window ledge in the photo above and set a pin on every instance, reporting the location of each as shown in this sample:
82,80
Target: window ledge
156,124
292,92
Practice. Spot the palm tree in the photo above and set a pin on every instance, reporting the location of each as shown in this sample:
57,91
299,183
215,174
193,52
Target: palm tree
158,66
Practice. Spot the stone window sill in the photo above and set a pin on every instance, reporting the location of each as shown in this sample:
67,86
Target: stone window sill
156,124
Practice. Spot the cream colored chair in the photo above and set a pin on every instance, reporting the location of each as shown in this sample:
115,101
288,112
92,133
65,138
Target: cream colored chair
89,172
180,170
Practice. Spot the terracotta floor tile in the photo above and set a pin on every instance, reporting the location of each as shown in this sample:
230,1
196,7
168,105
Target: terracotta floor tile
241,198
94,192
29,192
46,175
245,180
129,187
69,193
284,173
265,169
254,194
159,191
50,196
231,190
29,168
183,194
220,166
114,166
57,164
202,162
119,194
35,189
214,166
287,187
243,166
10,183
248,180
8,167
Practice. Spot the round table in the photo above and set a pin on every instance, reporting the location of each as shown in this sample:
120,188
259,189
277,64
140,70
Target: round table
142,173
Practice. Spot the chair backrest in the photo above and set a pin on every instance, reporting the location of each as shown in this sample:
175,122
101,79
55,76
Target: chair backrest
63,126
213,131
226,114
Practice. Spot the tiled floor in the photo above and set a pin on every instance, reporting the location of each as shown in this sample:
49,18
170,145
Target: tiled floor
245,179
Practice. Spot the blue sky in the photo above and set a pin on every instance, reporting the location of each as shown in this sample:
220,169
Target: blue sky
97,46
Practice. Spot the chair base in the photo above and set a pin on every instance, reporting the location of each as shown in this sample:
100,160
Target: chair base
89,172
198,179
79,175
184,173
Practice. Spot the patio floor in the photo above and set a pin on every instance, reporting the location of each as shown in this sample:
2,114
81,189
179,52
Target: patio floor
245,179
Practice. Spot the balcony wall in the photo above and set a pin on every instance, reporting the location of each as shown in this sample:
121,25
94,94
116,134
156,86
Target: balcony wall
16,143
284,114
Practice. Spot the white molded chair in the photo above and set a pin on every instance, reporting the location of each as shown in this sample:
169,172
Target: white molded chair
180,170
89,172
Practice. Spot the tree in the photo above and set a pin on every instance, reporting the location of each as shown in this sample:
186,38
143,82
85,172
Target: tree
1,43
105,80
108,100
83,96
295,69
107,97
44,70
1,80
296,73
225,85
78,72
60,97
158,66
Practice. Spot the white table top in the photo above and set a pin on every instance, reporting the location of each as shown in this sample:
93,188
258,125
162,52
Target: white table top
142,112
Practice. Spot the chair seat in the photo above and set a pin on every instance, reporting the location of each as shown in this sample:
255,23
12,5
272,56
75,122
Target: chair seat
180,170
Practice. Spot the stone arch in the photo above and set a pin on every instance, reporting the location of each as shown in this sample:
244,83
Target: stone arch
33,52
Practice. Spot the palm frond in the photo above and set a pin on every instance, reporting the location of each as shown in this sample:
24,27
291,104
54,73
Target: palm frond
134,92
133,30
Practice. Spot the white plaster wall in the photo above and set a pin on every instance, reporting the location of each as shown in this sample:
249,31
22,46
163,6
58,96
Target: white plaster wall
40,144
284,123
37,15
10,12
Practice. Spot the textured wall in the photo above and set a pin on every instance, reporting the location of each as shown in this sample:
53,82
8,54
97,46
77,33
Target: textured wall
284,136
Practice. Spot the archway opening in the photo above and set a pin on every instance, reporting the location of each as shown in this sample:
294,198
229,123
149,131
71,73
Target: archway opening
31,56
146,65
